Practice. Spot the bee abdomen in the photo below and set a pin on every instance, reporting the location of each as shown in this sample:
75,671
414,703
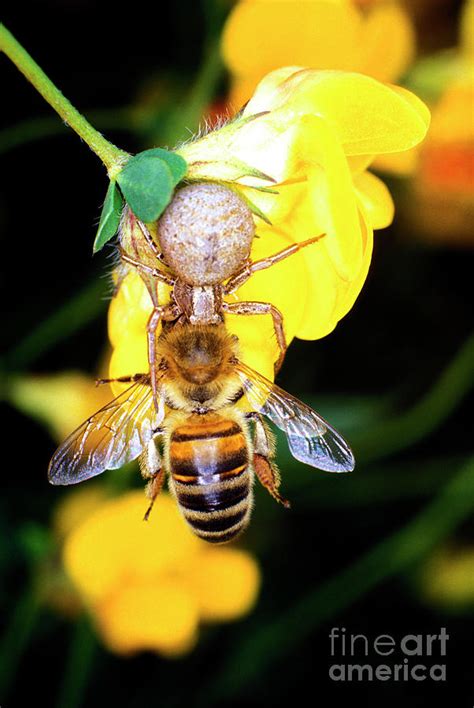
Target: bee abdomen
209,467
217,512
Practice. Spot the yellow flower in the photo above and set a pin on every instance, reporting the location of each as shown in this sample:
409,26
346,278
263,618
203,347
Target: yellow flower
375,38
75,507
148,585
61,401
53,585
447,579
309,136
444,182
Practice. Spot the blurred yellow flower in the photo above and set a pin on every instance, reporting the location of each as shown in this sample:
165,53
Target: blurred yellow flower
53,585
76,506
313,134
447,579
373,37
444,182
148,585
61,401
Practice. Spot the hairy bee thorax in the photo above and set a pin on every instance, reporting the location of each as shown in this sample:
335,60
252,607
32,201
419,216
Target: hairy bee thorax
199,363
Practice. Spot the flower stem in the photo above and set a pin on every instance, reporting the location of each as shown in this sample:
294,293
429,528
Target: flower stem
16,638
79,310
80,659
186,117
113,157
396,434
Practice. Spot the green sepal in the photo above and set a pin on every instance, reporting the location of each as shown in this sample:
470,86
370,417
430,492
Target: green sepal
253,207
249,171
109,218
256,210
148,180
265,190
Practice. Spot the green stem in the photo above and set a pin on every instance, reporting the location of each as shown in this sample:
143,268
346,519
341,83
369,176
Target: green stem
78,665
412,480
112,157
270,642
401,432
16,638
81,309
187,117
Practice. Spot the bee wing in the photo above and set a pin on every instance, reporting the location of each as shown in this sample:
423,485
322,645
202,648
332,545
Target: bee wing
116,434
310,438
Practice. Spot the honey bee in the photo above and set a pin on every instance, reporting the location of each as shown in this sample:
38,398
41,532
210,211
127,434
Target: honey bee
213,436
205,236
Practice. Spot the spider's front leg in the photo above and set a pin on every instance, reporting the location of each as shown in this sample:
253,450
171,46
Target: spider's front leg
151,276
262,308
167,313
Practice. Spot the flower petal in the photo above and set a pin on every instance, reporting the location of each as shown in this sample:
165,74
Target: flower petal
376,198
349,294
264,35
225,583
130,308
156,615
367,116
76,506
401,164
332,298
60,401
261,36
114,543
387,42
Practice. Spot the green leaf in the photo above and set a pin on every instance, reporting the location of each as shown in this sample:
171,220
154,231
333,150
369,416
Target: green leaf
147,184
148,180
176,164
109,218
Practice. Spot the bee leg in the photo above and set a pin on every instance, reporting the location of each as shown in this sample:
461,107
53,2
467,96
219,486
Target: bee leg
265,469
121,379
262,308
151,469
153,488
269,477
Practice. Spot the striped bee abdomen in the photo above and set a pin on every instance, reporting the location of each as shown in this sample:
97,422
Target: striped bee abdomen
209,467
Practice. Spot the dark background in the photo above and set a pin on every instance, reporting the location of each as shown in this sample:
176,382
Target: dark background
411,318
